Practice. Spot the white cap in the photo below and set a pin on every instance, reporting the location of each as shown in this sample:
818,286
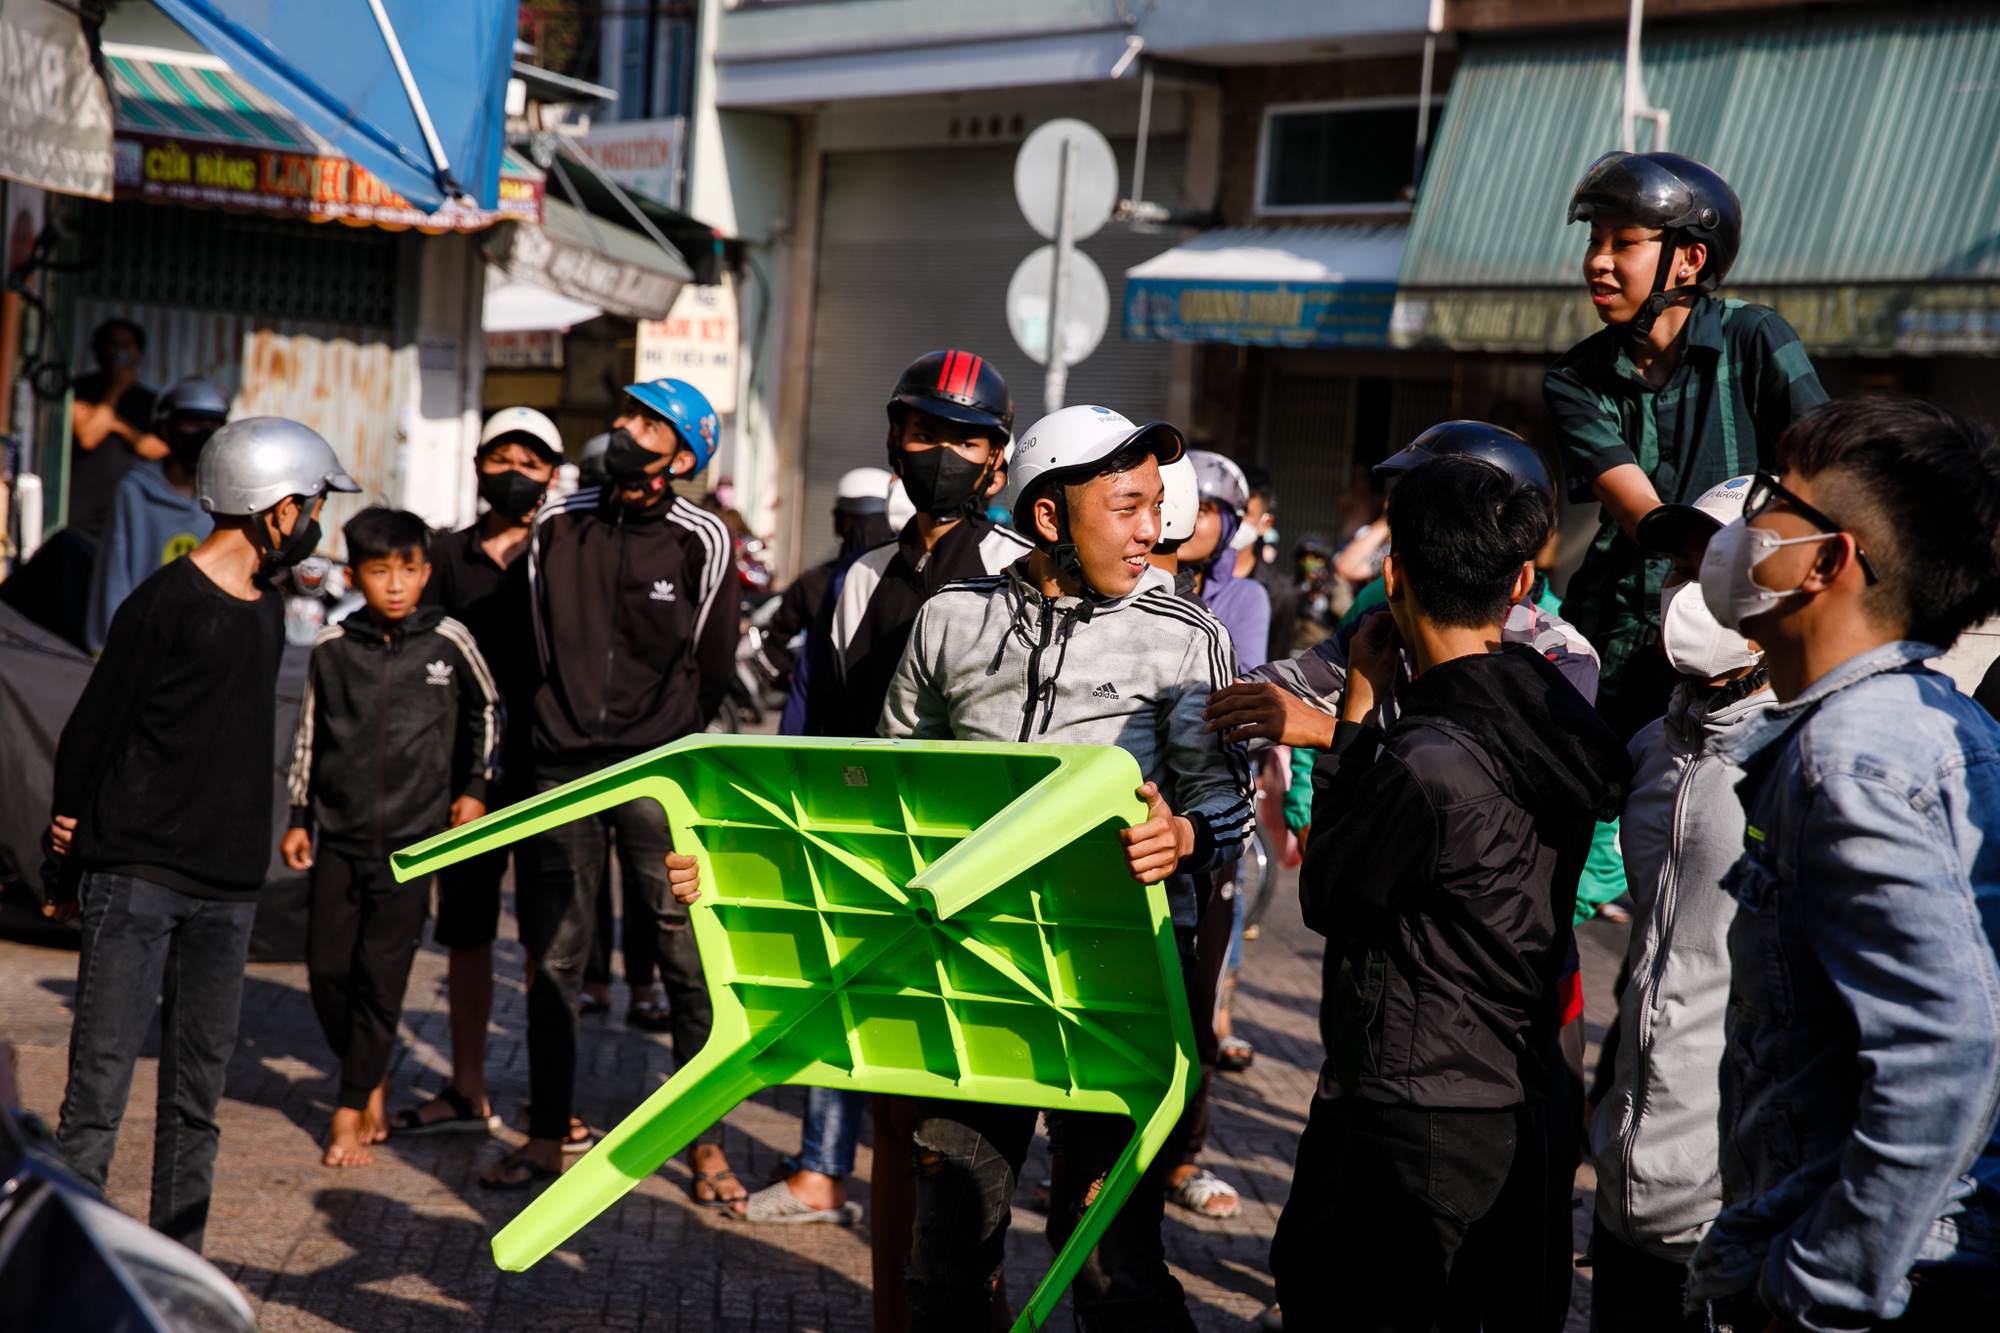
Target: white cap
525,421
1079,437
1665,529
862,490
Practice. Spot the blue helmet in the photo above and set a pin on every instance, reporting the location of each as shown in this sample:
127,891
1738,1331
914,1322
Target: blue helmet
686,407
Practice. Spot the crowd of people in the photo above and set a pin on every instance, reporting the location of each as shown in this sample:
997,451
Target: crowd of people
1727,716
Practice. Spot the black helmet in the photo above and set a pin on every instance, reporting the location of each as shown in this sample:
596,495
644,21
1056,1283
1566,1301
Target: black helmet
195,396
1502,448
957,386
1676,194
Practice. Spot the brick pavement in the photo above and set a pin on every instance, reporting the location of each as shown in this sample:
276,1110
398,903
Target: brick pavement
402,1245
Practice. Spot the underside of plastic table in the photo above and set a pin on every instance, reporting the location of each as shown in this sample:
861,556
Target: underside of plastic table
923,918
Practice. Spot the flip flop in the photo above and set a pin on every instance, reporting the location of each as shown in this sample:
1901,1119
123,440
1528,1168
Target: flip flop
776,1205
536,1172
1206,1194
410,1123
571,1143
1234,1055
712,1179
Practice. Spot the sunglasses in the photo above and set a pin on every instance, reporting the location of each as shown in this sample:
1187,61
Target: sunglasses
1765,492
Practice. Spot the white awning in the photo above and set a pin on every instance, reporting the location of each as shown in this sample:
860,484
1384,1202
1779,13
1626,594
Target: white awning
1269,287
525,307
1282,254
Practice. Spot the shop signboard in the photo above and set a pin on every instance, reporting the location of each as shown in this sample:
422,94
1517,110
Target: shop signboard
161,169
696,342
645,155
55,113
1260,314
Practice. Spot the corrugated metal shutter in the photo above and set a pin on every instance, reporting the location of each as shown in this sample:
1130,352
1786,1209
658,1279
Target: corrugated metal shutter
916,248
1309,445
1861,145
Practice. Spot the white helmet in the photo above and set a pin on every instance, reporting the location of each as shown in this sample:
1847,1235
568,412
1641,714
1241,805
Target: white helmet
1221,480
252,464
901,508
863,490
547,440
1072,444
1180,506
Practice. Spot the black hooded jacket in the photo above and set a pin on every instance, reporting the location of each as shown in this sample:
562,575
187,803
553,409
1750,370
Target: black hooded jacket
1442,869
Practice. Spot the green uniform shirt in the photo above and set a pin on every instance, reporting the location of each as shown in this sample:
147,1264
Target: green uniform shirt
1741,379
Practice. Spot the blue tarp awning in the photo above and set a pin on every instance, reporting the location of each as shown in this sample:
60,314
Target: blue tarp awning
1269,287
413,90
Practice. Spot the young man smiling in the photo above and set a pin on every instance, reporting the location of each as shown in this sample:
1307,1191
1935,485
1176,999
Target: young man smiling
1678,393
1860,1086
1069,646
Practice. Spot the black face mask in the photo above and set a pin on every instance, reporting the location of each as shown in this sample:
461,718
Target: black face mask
296,547
186,445
626,460
512,493
942,484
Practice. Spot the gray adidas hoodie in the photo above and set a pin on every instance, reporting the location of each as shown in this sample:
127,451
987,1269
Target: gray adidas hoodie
991,659
1656,1136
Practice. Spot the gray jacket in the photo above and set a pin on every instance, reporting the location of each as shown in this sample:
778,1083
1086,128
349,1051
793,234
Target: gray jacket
1656,1135
991,659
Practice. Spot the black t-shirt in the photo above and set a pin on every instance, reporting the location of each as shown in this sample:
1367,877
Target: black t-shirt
493,603
94,474
166,761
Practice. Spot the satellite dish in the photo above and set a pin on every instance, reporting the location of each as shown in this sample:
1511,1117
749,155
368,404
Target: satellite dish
1038,177
1086,313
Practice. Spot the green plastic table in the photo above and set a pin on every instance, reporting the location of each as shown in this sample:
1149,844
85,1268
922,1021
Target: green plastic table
925,918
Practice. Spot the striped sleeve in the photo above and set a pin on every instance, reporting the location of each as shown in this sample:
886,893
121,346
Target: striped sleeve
476,757
575,502
299,780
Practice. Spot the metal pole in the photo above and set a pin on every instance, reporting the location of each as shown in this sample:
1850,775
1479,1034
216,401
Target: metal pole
1423,115
1057,380
1145,124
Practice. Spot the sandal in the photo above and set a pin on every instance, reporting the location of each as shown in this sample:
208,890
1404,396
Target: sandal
463,1118
777,1205
1234,1055
581,1137
649,1016
509,1165
714,1179
1042,1199
1207,1195
590,1004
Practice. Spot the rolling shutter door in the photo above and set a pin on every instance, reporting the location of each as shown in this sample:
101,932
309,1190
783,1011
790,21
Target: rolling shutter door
916,249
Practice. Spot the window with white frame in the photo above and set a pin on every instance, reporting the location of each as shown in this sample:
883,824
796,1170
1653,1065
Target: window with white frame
1339,157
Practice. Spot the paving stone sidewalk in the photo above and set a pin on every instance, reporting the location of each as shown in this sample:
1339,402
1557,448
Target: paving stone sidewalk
402,1245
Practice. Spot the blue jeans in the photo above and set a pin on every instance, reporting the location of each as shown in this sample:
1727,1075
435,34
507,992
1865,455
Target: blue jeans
833,1127
144,942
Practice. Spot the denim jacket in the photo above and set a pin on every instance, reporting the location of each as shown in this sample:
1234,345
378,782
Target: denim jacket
1862,1079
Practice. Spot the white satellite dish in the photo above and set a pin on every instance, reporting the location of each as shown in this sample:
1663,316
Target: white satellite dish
1038,173
1086,309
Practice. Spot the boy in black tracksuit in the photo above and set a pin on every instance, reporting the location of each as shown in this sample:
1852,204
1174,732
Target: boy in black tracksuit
1442,869
398,737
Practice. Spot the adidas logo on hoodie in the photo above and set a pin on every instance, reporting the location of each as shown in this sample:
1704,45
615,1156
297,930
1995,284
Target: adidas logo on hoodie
1105,691
663,591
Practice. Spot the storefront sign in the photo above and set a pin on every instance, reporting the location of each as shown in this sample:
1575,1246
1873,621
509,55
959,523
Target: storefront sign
696,342
524,349
644,154
221,175
55,113
1261,314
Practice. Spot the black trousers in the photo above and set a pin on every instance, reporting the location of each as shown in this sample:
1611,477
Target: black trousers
361,936
966,1159
1382,1197
558,913
1632,1291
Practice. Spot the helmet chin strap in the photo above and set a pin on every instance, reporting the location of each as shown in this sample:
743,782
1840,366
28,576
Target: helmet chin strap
1655,305
1063,550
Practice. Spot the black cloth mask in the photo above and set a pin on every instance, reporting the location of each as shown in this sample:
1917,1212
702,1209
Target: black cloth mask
512,493
942,484
186,445
626,460
299,544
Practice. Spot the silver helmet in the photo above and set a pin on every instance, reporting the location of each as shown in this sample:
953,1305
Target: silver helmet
1221,480
252,464
197,395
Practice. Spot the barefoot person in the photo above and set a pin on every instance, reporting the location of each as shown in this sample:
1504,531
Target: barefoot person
162,779
403,680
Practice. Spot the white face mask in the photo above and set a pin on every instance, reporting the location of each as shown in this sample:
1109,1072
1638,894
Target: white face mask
1728,579
1245,535
1694,643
